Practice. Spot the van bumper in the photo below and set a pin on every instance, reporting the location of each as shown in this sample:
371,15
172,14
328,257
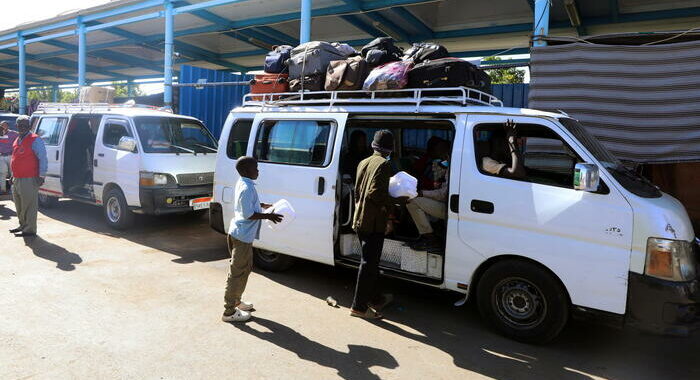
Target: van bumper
663,307
155,201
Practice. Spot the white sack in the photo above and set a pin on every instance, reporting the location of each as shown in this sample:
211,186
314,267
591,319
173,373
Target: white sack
403,185
284,208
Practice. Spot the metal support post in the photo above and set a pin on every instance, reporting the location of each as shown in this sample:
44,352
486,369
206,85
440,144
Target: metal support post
541,22
54,93
305,34
82,54
168,62
22,75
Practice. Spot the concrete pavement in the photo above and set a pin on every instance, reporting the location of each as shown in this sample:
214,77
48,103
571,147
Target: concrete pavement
84,301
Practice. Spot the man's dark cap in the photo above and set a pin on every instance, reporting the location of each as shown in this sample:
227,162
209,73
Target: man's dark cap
383,141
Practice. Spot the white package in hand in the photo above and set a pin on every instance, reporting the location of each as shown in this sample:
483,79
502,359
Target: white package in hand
284,208
403,185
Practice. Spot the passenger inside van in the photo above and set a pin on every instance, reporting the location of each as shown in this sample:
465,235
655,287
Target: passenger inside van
437,149
500,152
430,203
358,150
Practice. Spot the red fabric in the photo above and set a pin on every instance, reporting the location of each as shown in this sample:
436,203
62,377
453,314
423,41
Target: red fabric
24,162
419,171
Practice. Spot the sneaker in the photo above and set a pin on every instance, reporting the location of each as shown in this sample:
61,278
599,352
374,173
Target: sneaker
238,316
245,306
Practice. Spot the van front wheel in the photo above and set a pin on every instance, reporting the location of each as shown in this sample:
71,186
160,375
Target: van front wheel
271,261
117,213
523,301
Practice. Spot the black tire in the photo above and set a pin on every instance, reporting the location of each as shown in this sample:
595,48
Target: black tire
523,301
271,261
116,211
47,201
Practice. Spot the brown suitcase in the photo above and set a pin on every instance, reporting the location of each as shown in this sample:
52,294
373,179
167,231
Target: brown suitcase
269,83
348,74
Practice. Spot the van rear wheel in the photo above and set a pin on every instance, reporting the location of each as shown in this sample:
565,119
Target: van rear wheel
116,211
523,301
271,261
47,201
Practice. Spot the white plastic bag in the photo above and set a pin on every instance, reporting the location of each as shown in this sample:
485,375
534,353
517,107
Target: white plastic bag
403,185
284,208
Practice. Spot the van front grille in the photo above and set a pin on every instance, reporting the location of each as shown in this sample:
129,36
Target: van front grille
193,179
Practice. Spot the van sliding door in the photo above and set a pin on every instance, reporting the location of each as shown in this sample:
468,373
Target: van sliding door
298,157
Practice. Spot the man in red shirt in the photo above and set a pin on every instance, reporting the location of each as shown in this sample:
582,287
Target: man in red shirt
29,164
7,138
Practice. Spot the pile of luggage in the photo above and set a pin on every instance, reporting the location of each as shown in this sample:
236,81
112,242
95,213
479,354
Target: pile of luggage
380,65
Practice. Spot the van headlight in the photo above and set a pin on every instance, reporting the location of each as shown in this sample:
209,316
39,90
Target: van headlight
671,260
149,179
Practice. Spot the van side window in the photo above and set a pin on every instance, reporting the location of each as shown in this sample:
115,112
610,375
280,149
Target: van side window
237,145
113,132
50,129
299,142
547,159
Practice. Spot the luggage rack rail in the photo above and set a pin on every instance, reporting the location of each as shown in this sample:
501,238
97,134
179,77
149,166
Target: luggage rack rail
414,96
92,107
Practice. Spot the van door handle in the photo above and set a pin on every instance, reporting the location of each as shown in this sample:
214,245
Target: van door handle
94,162
321,185
56,155
454,203
483,207
100,154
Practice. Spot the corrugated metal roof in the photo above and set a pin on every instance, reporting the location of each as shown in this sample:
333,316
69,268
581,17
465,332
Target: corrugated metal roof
236,36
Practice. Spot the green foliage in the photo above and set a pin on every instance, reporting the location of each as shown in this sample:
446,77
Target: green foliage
510,75
46,95
122,90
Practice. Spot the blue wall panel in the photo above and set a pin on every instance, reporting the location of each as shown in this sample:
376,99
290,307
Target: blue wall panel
210,104
512,95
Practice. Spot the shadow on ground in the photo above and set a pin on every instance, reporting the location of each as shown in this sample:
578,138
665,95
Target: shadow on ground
64,259
427,316
353,364
6,213
187,236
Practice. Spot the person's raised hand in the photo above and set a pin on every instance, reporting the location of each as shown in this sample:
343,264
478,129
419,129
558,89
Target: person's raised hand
275,218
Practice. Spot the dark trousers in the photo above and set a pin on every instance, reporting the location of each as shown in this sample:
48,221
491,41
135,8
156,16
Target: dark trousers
368,274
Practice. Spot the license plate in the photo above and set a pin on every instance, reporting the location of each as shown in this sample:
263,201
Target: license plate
200,203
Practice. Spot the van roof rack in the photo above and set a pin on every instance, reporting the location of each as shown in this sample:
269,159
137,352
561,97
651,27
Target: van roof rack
462,96
88,107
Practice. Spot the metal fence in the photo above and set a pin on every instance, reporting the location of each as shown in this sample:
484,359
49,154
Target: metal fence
512,95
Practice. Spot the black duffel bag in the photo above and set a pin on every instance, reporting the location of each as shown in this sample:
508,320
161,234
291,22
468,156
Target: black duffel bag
448,72
424,51
380,51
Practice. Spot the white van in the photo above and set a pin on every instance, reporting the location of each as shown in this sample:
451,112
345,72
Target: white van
127,159
579,236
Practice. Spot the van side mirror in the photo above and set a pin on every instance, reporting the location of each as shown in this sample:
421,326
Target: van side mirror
127,143
586,177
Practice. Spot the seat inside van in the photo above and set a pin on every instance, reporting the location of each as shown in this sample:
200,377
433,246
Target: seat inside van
411,148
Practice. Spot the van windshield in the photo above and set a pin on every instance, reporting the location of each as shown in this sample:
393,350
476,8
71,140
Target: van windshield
630,180
173,135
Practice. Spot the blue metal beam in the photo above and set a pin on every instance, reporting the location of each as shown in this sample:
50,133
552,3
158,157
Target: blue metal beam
82,53
305,21
22,75
362,25
385,22
424,31
283,37
168,62
541,22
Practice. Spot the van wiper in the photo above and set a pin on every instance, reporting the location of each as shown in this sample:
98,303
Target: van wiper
185,149
207,147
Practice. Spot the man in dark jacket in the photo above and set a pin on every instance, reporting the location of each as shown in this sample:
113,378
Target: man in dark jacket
371,212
